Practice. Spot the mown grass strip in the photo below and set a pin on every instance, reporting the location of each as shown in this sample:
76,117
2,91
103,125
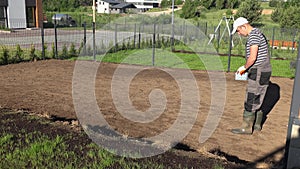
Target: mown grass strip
193,61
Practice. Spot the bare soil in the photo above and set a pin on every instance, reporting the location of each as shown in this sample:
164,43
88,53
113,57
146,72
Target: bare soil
45,88
264,11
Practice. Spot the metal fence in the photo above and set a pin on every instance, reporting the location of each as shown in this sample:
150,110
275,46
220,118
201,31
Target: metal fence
120,35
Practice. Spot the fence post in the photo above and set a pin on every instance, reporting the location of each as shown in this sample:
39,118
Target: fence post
206,28
198,30
229,52
273,34
172,36
84,38
139,42
292,151
134,36
116,38
293,42
153,45
218,39
43,42
55,38
94,41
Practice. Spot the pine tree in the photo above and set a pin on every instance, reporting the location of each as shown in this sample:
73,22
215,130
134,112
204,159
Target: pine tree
250,9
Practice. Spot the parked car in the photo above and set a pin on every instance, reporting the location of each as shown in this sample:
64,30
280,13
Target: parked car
63,20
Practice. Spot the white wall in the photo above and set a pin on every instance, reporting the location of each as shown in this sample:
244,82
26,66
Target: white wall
103,7
16,14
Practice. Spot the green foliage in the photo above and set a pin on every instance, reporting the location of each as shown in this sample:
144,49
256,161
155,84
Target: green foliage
220,4
208,4
62,5
231,4
189,9
274,3
290,17
166,3
4,56
250,9
276,15
32,55
18,55
46,52
178,2
53,53
64,52
163,19
287,14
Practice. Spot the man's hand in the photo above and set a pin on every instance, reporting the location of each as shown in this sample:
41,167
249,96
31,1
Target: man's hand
241,70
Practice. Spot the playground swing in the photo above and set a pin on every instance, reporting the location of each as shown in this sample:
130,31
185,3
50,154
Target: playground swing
227,20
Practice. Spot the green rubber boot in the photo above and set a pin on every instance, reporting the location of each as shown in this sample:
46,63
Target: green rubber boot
246,128
258,119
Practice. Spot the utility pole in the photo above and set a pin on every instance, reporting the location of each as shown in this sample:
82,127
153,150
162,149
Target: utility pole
172,38
94,27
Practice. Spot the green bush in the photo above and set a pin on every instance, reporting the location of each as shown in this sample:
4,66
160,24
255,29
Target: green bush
4,56
18,56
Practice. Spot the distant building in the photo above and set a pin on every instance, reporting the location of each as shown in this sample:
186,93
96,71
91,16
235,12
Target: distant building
21,14
114,6
144,5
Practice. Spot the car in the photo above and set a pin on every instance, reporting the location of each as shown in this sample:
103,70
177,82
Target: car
175,7
63,20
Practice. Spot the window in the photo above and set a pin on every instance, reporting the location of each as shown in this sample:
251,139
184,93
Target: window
30,13
3,18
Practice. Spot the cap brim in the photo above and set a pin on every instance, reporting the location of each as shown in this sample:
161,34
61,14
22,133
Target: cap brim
234,30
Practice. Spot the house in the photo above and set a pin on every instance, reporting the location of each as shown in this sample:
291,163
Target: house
114,6
15,14
122,7
144,5
103,6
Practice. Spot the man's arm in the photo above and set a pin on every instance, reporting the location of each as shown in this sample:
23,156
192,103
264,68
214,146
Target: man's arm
253,56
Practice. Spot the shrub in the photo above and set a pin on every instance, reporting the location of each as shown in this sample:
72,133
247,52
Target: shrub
4,56
64,52
32,55
53,53
18,56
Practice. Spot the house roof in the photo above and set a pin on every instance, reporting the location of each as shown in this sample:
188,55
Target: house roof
123,5
112,1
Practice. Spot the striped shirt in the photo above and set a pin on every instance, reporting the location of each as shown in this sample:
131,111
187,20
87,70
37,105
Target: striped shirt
257,38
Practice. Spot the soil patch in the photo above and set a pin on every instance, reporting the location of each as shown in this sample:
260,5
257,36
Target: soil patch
45,88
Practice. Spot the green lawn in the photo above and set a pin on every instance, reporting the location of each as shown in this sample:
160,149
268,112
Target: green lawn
165,58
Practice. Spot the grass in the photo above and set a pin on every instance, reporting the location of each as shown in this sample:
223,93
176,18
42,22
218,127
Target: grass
37,150
34,147
165,58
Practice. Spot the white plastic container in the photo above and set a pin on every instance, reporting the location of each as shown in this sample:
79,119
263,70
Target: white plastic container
241,77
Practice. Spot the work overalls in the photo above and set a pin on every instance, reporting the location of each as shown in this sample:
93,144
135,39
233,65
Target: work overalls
258,82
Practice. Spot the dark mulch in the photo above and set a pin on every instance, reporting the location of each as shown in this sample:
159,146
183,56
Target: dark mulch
15,121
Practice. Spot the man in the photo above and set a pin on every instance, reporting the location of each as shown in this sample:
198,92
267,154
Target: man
259,72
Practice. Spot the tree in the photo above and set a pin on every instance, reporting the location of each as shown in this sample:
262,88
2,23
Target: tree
189,9
250,9
220,4
62,5
291,17
208,3
232,4
287,14
165,3
276,15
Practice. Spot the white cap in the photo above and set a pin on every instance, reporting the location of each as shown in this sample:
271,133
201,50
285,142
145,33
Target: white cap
238,22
